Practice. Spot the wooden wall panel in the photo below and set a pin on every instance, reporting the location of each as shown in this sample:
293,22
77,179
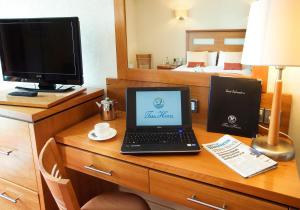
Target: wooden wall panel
116,90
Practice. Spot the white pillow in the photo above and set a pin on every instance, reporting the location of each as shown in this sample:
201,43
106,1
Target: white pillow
197,57
229,57
212,58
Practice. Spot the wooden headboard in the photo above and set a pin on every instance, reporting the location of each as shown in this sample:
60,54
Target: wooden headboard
215,40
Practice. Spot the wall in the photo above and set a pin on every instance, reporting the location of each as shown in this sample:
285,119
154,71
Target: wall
158,31
97,31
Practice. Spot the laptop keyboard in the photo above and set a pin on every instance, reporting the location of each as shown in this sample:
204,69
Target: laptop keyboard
164,137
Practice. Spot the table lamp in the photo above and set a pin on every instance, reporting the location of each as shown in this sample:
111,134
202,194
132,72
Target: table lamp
273,39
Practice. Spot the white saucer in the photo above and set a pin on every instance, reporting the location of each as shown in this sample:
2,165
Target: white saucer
112,132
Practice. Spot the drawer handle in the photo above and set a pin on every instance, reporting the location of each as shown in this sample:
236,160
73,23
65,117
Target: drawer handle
6,152
195,200
92,168
6,197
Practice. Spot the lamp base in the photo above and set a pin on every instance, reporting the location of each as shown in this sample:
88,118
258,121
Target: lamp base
282,151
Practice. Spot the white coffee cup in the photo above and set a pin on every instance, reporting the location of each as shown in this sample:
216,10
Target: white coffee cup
101,129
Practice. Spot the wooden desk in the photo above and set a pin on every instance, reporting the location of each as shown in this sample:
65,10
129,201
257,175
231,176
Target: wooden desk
177,177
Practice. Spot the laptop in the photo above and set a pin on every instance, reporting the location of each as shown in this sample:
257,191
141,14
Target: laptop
158,120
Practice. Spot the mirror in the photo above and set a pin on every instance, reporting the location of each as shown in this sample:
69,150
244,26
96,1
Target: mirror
159,31
127,43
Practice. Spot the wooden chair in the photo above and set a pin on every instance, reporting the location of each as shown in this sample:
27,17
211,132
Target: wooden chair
52,169
143,61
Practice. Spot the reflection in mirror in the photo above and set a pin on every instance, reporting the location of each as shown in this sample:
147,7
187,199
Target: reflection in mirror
160,32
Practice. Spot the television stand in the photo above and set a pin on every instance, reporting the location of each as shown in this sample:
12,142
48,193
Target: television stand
50,88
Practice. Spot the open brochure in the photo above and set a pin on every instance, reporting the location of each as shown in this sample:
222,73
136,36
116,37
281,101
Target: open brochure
240,157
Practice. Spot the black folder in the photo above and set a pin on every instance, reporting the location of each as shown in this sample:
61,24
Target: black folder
234,106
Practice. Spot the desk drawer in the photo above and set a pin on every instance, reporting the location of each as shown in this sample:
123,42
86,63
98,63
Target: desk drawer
16,158
18,168
109,169
180,190
14,197
14,136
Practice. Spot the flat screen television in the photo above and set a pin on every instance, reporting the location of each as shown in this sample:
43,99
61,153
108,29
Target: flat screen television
41,50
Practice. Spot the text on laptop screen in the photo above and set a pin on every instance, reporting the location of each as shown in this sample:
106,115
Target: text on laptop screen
158,108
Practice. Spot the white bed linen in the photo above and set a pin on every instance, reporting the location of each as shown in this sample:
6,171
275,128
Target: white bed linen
229,57
212,69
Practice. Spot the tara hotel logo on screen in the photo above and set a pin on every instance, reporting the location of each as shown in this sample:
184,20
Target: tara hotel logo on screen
158,103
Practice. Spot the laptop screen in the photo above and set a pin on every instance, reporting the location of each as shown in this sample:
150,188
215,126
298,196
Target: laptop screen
158,108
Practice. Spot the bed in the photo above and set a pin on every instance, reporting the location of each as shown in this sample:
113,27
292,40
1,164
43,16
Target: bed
222,47
214,69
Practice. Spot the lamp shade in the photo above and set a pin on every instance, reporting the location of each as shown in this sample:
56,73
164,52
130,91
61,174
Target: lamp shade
273,34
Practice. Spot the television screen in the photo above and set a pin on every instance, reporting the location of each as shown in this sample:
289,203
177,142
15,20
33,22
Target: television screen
44,50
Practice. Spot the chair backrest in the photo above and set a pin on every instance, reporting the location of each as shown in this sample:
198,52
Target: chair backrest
143,61
52,169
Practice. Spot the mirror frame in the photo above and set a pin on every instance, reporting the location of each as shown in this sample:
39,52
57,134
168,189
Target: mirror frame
160,76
